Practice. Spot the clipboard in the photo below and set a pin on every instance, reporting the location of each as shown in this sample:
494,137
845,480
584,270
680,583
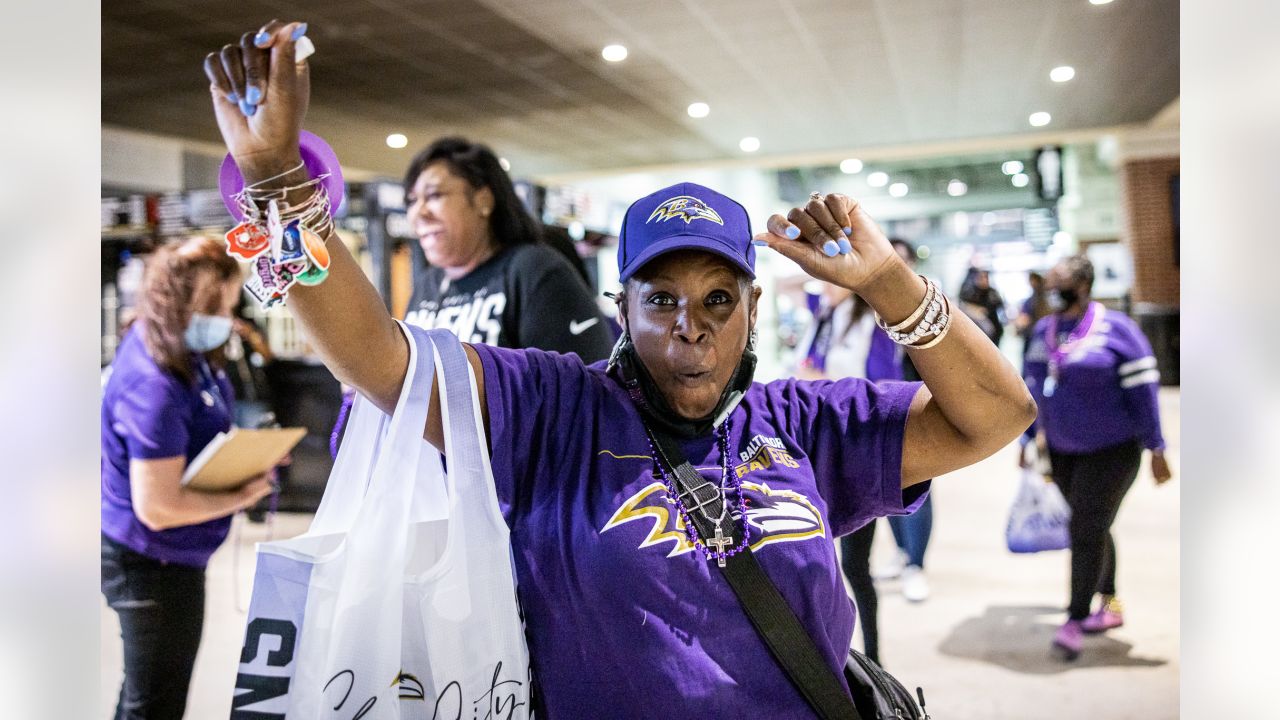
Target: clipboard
233,458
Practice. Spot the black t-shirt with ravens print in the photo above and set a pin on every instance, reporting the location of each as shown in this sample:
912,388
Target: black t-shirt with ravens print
525,296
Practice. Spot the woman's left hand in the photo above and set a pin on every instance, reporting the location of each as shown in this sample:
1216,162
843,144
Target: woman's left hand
831,238
1160,468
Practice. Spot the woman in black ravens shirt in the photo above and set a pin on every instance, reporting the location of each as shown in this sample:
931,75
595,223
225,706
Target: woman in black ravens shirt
492,277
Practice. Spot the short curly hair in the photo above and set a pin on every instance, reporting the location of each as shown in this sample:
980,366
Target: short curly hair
1079,269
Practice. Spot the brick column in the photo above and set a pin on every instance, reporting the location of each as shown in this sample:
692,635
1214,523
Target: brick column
1148,229
1147,201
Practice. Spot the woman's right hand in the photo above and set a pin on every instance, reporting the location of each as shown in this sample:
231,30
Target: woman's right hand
261,67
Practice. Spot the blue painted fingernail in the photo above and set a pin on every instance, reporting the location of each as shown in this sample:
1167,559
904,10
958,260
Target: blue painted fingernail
759,243
793,232
848,231
845,247
262,38
253,95
233,98
830,248
248,108
298,32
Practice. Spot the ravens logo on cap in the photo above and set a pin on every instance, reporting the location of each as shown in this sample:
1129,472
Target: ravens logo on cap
685,207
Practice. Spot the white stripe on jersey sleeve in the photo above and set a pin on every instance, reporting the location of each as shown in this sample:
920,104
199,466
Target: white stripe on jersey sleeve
1134,366
1142,378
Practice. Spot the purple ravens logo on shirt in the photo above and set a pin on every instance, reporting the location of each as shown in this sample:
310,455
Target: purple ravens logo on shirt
774,516
684,207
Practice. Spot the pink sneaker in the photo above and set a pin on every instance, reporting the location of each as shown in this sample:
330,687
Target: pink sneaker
1108,617
1069,639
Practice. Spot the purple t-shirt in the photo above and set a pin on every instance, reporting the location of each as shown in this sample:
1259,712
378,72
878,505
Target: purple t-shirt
1106,391
148,413
624,617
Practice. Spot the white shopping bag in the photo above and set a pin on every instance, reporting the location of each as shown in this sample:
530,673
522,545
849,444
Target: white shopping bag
399,601
1040,517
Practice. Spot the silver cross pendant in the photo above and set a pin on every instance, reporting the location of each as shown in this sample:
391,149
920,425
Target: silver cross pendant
720,542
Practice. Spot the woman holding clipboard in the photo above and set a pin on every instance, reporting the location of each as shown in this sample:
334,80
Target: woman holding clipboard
167,397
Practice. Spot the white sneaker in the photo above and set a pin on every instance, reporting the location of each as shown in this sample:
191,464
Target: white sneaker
891,570
915,587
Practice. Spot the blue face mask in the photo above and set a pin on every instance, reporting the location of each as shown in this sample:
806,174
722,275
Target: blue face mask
207,332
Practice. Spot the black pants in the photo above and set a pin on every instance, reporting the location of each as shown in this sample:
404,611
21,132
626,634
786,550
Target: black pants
855,560
161,609
1094,484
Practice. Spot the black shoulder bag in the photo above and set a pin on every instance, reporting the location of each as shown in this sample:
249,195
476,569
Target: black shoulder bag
877,695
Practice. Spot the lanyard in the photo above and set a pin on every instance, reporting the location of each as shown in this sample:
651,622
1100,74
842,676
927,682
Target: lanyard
821,345
210,391
1058,353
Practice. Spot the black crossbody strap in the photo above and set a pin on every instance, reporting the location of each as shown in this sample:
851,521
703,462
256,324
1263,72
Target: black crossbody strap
773,618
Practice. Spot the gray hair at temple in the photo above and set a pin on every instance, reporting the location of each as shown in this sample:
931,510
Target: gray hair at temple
1080,270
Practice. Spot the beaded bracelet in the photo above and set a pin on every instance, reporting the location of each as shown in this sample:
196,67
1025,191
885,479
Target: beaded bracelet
923,328
946,327
929,291
936,321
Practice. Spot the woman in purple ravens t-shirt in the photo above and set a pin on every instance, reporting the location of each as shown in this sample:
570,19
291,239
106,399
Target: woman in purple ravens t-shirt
1092,372
625,614
163,402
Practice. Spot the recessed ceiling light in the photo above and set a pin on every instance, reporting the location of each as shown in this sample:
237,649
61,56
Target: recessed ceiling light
878,179
1011,167
1062,73
956,188
397,141
1099,2
614,53
1039,119
506,164
1020,180
898,189
749,144
699,110
851,166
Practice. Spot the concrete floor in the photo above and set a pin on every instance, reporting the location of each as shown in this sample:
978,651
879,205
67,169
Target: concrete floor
979,645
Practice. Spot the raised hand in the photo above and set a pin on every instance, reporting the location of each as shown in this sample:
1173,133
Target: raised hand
260,97
831,238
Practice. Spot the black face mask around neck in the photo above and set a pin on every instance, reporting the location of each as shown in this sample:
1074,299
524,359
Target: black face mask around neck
653,406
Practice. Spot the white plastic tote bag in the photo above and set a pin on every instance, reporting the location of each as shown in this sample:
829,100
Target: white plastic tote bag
1039,518
399,601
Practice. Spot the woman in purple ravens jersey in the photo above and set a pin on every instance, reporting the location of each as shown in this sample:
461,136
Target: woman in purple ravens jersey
1093,375
625,611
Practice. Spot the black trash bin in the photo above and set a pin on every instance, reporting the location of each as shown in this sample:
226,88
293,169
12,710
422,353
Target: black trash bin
305,394
1161,324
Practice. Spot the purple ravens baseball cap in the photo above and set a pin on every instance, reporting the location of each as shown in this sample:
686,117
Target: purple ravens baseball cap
686,216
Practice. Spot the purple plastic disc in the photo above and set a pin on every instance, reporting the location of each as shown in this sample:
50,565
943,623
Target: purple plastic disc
318,158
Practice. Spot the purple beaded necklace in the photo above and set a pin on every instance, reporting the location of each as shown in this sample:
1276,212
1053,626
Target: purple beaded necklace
726,479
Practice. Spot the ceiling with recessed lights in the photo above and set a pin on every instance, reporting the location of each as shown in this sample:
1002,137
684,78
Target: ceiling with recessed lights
801,76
